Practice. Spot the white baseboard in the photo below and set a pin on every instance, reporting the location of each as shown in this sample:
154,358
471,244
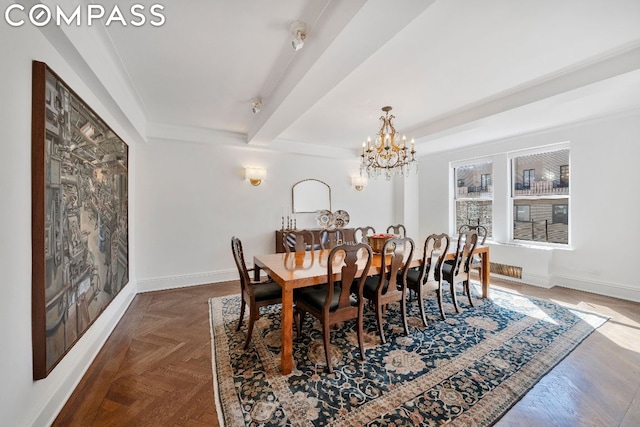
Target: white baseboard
67,375
182,281
538,280
609,289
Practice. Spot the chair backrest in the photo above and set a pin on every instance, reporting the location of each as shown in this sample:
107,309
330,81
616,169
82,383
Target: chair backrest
436,247
329,239
480,229
362,234
397,229
467,243
350,256
400,251
238,257
298,241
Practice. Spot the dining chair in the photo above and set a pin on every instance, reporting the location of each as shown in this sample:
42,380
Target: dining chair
329,239
397,230
255,294
458,269
391,284
480,229
298,241
362,234
476,262
429,274
333,302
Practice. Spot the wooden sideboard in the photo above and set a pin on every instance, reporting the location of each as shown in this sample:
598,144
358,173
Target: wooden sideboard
347,232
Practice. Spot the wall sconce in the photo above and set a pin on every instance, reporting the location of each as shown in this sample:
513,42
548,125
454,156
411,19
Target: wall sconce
255,175
358,182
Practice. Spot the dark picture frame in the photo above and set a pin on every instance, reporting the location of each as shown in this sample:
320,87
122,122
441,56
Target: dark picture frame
80,232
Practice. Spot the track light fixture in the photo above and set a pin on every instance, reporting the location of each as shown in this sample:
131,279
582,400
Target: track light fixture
256,105
299,31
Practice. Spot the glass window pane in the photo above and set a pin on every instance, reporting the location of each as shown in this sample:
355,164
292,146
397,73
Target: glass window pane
547,220
474,181
475,212
541,174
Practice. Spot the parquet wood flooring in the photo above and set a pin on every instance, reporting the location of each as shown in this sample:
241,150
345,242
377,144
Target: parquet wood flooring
155,368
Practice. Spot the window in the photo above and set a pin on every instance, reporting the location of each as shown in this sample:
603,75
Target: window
540,194
485,181
528,176
564,176
474,195
523,213
560,214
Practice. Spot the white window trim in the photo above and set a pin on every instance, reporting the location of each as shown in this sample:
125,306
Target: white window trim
453,230
565,145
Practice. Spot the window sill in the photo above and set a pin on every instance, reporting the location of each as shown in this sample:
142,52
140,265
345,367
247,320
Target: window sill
538,246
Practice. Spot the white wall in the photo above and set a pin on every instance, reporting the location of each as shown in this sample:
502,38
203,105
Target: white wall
193,198
604,205
25,402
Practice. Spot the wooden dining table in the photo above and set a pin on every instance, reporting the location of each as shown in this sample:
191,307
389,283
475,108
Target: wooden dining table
301,269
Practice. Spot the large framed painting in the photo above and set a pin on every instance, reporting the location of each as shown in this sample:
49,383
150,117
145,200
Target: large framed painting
79,217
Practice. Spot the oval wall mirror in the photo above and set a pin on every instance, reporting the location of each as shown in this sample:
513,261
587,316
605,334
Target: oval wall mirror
311,195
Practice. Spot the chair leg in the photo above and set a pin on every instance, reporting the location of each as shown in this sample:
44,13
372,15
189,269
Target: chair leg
440,304
249,330
453,295
468,290
327,345
379,319
360,321
403,307
301,314
421,302
242,306
296,322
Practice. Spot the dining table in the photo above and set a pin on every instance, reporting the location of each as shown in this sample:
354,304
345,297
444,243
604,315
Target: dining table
295,270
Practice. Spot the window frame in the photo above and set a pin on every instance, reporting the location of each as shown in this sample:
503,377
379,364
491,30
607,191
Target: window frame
456,183
512,197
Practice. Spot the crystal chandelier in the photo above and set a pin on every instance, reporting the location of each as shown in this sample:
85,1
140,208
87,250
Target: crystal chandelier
388,155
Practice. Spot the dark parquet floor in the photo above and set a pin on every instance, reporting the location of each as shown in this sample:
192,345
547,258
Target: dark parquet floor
155,368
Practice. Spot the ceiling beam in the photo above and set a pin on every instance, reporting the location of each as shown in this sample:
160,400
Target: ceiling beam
343,38
607,66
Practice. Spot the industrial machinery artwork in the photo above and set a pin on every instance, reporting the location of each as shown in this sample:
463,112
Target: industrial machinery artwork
80,217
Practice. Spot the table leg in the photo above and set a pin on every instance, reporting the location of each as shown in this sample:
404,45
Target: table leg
486,270
287,331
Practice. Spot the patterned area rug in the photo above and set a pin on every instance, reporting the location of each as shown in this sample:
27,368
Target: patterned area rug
466,370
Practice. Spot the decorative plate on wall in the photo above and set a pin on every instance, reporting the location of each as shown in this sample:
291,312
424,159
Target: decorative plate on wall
324,218
341,218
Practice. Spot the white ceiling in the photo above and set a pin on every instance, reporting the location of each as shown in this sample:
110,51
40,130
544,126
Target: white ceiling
457,72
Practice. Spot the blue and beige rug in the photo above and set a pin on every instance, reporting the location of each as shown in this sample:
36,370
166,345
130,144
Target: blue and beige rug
467,370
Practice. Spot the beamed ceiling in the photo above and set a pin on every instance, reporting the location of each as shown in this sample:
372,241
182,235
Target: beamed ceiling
457,72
